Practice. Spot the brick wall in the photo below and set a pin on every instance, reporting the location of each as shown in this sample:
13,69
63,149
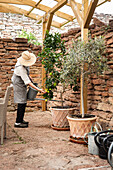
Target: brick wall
100,90
10,50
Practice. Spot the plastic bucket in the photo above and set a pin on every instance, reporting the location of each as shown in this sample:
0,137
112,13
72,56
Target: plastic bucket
31,94
99,139
110,155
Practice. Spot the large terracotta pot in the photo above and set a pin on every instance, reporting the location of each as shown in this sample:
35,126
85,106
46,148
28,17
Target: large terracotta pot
59,116
80,126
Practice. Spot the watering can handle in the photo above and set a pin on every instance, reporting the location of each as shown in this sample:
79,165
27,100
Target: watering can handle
95,138
109,155
93,126
105,141
86,134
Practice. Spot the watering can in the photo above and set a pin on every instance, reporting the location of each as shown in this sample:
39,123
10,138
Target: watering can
99,139
92,147
31,94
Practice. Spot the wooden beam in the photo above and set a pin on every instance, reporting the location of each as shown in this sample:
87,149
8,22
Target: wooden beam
56,24
58,13
48,24
33,3
68,4
13,9
19,2
43,69
76,11
60,4
49,21
102,2
40,7
90,13
84,37
34,7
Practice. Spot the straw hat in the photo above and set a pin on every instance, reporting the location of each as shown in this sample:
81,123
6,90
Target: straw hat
27,58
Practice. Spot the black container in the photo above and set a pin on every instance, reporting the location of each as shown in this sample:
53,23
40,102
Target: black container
107,142
110,153
99,138
31,94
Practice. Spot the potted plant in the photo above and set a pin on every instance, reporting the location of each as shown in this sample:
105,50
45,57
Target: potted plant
80,54
53,56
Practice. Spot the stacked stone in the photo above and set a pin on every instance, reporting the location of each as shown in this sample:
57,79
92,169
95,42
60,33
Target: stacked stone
11,25
10,50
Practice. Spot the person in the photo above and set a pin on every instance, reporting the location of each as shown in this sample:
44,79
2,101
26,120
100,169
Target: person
20,80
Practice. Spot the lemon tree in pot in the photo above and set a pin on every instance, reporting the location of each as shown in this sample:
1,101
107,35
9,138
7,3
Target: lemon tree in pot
53,56
80,54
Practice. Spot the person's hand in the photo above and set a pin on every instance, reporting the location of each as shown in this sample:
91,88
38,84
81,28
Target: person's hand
42,91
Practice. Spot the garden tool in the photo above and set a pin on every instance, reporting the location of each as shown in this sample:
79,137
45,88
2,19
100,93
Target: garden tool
92,147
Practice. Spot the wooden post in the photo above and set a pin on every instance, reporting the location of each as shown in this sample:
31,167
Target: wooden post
84,36
43,69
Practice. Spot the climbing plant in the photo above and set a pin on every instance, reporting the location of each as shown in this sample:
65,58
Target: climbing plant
30,36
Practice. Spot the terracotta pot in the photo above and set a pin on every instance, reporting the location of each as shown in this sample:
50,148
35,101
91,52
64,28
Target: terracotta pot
80,126
59,116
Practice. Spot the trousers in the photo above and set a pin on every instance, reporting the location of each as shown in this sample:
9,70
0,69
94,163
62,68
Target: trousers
20,112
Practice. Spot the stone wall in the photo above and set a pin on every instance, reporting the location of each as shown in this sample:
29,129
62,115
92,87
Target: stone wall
10,50
11,25
100,90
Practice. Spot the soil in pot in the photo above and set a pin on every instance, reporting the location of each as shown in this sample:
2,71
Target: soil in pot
80,116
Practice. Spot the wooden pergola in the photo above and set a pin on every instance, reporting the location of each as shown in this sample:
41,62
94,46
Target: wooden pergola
83,12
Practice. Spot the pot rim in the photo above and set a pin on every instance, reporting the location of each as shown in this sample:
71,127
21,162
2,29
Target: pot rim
81,119
52,108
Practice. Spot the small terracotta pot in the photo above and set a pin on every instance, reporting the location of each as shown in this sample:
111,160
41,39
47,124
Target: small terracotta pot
59,116
80,126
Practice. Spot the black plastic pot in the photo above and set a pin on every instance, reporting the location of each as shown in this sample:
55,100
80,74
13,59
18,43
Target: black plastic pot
107,142
99,138
110,153
31,94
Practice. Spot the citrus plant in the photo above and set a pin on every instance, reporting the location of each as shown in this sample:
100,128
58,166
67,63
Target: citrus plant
52,57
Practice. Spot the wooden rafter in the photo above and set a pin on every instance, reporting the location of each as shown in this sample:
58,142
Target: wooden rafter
39,6
12,9
57,13
76,11
15,10
80,5
102,2
60,4
34,7
68,4
49,16
90,12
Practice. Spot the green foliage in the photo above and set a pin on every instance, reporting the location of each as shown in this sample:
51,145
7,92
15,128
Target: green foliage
52,57
31,37
81,53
